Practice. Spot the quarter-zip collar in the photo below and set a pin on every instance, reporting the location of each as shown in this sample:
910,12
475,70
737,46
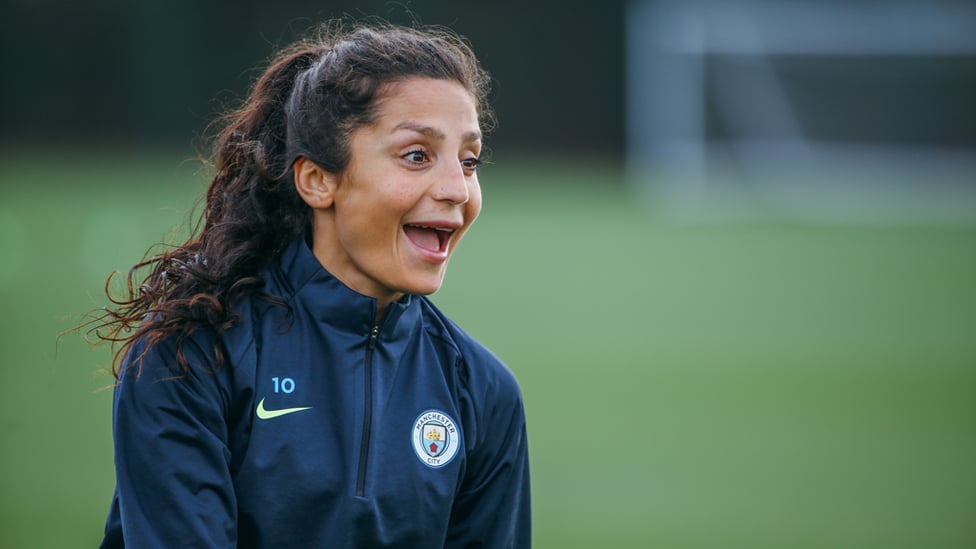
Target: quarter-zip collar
337,305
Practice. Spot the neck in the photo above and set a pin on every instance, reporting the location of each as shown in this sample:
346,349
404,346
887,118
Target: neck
382,304
381,307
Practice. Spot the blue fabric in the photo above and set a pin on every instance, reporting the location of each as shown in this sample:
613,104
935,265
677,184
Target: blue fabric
196,467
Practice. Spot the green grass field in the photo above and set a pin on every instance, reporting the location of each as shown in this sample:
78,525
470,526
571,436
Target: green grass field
723,385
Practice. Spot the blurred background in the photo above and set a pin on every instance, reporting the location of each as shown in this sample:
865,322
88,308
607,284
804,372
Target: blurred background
728,248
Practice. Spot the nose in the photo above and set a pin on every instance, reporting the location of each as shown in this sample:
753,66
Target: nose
452,184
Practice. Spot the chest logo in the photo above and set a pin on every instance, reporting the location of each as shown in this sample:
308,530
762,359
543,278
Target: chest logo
436,438
263,413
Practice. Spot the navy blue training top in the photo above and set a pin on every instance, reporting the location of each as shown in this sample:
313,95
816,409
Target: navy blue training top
321,429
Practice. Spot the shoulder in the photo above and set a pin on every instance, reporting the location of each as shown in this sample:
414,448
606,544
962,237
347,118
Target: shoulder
479,369
198,374
199,352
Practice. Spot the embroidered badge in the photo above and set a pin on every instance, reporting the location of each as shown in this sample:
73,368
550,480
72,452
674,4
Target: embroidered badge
436,438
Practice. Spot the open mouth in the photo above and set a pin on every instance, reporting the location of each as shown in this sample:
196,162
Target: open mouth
434,239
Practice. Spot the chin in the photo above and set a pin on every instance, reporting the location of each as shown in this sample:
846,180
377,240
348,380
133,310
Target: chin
425,287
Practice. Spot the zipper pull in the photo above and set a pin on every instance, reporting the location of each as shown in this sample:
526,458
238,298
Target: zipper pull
373,334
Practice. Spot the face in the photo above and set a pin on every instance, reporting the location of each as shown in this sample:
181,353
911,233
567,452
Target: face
410,192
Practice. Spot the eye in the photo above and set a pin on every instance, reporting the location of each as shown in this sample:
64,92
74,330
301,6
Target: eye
471,164
416,156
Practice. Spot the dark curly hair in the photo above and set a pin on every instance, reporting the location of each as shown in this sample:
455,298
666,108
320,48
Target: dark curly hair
308,101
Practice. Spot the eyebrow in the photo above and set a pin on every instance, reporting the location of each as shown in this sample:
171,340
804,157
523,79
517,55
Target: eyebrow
434,133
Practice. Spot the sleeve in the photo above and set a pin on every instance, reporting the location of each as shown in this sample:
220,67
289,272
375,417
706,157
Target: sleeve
173,481
493,508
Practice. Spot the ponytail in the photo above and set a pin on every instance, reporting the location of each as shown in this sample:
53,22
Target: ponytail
251,204
252,212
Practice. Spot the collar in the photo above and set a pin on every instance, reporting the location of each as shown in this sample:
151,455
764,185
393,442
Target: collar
331,302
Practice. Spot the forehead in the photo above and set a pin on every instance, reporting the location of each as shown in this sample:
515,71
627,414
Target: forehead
442,104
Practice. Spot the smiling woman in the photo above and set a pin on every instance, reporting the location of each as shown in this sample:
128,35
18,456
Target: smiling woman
388,223
282,380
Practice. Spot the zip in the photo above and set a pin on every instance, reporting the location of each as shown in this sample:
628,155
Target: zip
367,411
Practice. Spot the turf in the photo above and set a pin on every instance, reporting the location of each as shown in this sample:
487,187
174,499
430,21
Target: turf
761,384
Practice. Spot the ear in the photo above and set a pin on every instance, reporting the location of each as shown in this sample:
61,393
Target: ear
316,186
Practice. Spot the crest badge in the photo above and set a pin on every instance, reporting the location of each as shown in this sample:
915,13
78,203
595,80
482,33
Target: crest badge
436,438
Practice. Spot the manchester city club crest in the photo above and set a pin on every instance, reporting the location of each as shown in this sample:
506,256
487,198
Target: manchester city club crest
436,438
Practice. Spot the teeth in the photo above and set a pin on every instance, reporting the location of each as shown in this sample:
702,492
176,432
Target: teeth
443,230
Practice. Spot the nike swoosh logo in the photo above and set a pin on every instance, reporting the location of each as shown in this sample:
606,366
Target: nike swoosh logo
271,414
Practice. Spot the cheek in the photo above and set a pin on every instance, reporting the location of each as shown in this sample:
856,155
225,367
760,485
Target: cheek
473,207
392,201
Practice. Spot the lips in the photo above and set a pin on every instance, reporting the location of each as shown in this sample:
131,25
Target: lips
430,238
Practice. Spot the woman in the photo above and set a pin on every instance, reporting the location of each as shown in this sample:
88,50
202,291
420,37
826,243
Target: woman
284,382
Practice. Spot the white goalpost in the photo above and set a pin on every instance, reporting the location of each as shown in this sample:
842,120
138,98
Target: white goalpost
697,65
